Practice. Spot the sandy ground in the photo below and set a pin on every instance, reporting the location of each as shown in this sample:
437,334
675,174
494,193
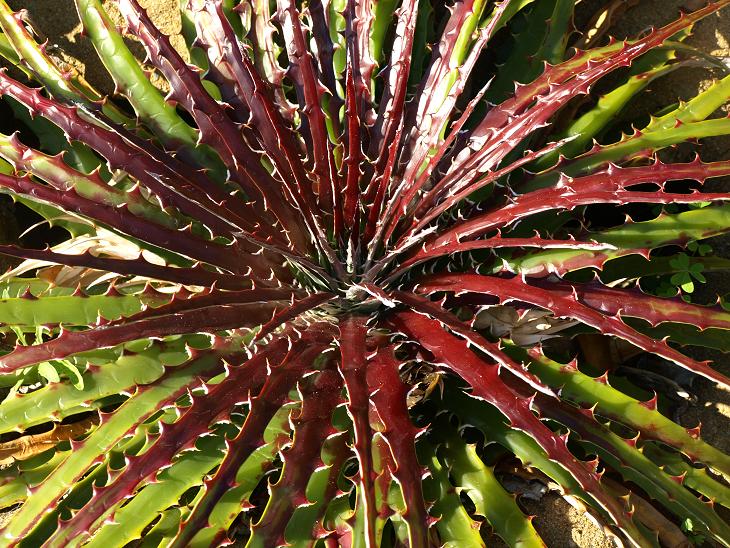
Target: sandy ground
561,525
59,22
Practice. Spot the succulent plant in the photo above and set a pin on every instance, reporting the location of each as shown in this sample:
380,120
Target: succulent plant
310,296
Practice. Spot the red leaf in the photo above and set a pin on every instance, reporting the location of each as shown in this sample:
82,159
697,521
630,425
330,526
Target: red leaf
515,289
487,384
389,395
353,369
279,381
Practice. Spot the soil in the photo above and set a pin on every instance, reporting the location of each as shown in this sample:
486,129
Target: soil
58,21
560,524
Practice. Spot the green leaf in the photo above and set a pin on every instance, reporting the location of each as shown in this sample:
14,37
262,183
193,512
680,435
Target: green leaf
75,310
588,392
143,404
131,81
72,372
109,377
186,472
249,475
631,238
48,372
491,500
454,525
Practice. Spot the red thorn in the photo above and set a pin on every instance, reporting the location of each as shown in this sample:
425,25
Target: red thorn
695,432
650,404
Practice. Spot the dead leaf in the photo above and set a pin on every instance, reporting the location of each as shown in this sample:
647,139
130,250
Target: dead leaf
28,446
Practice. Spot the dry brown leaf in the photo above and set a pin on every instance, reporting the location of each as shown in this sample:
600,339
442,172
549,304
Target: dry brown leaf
25,447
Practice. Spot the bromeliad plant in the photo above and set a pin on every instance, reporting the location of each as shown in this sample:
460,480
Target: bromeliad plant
304,297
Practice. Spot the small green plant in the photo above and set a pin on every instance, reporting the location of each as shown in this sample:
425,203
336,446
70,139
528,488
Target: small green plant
306,296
